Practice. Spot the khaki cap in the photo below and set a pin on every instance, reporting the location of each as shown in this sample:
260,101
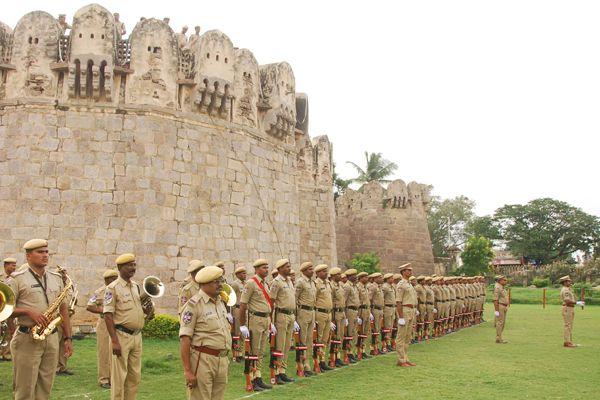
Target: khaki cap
564,278
305,265
375,275
125,258
281,263
498,277
388,276
351,271
421,277
35,244
397,276
412,278
9,260
209,274
361,274
109,273
194,266
260,262
240,269
428,278
404,266
335,271
321,267
220,264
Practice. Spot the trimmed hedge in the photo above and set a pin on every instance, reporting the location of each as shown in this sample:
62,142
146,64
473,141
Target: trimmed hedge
163,326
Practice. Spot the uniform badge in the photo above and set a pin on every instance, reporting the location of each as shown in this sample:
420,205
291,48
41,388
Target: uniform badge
187,317
183,300
108,298
93,299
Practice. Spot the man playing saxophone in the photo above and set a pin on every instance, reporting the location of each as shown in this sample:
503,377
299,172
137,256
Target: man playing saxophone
40,296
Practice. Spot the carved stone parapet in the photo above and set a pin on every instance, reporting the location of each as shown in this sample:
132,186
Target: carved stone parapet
6,47
187,64
214,97
123,58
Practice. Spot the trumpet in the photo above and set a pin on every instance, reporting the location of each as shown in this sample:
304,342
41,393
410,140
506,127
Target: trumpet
228,295
152,288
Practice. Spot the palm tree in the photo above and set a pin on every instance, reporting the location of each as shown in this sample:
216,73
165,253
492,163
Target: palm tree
378,169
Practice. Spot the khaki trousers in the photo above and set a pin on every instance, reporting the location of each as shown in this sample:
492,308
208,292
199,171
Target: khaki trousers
259,334
34,366
340,328
283,340
126,370
499,321
323,331
211,374
378,315
568,317
405,334
104,352
306,320
365,315
352,331
62,359
389,315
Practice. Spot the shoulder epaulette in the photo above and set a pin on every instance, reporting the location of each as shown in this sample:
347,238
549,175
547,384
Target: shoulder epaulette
55,274
17,273
194,299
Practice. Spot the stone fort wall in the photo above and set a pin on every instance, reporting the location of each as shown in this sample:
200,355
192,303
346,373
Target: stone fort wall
112,145
391,222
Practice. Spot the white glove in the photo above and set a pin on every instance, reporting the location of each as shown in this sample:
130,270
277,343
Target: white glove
418,313
401,321
333,327
245,332
371,317
464,307
230,318
497,313
273,329
580,303
358,320
346,321
296,327
435,310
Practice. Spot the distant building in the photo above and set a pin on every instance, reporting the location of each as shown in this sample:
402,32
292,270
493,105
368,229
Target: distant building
505,262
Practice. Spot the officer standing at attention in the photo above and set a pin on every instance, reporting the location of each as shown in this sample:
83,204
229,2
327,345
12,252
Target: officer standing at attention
35,288
568,309
339,311
94,306
364,313
306,293
283,296
237,284
255,311
205,339
406,301
323,308
124,317
352,304
500,307
190,288
377,304
389,310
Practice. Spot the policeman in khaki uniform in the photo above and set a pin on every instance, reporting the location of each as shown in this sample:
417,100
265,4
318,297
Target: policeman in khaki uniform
568,309
406,303
283,296
364,312
430,310
94,305
124,317
35,288
421,307
352,300
306,293
191,288
10,265
389,309
255,311
500,307
377,304
237,284
339,311
323,309
205,339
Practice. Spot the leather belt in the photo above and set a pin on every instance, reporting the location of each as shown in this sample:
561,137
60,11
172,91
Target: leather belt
338,309
259,314
390,305
377,307
352,308
363,307
309,308
285,311
27,329
323,310
408,305
128,331
209,351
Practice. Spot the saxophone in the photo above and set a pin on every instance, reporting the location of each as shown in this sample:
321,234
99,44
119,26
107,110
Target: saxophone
52,313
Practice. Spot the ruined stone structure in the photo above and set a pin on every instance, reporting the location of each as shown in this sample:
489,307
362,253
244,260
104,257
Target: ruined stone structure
391,222
113,144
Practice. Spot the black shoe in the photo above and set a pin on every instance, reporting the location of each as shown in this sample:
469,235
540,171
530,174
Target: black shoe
365,355
279,380
65,372
352,359
324,367
105,385
339,363
256,387
286,378
262,384
308,373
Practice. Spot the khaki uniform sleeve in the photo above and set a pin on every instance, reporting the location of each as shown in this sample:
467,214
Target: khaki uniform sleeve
496,293
187,319
275,286
399,294
247,293
109,300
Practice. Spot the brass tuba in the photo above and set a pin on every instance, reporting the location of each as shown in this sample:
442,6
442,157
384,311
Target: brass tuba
7,305
153,288
228,295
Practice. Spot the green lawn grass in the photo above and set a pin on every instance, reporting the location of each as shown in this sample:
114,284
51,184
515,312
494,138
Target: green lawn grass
525,295
464,365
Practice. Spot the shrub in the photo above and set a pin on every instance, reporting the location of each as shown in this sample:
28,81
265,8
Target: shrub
163,326
367,262
541,282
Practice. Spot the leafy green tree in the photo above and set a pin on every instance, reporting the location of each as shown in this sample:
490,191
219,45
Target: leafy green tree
476,256
367,262
483,226
447,220
547,230
377,169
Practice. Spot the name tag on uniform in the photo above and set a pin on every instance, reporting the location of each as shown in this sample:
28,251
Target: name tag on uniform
208,313
36,285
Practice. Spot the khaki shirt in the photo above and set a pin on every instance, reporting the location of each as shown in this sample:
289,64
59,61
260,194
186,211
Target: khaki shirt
429,296
445,293
389,294
30,294
452,291
205,321
186,293
338,298
566,293
122,299
324,296
238,286
375,295
405,293
421,293
97,298
283,293
500,294
351,295
254,298
306,292
363,295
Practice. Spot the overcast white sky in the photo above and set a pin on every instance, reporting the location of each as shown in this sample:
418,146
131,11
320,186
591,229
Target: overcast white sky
495,100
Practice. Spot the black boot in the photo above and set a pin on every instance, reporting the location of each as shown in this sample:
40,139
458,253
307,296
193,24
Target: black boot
279,380
365,355
286,378
324,367
339,363
256,387
308,373
352,359
262,384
